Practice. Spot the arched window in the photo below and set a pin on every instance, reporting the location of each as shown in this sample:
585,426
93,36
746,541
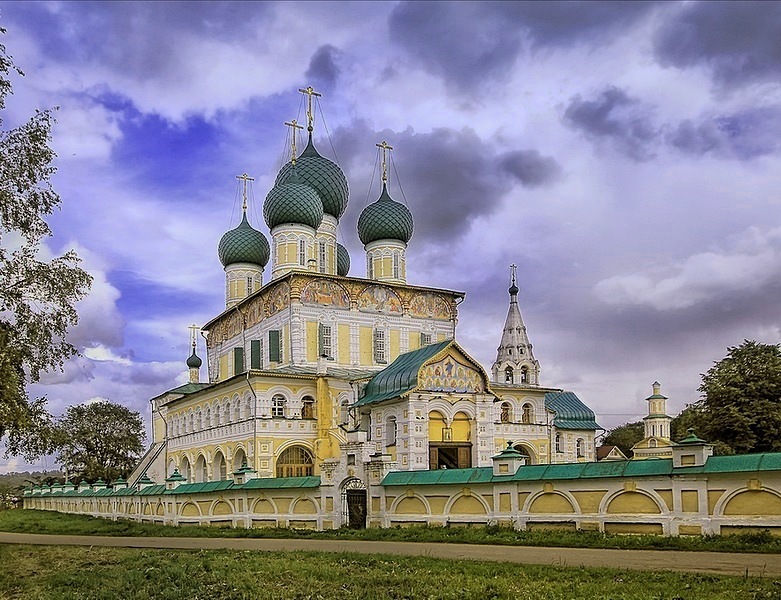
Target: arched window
295,461
390,431
344,412
558,442
219,468
528,414
278,406
184,469
227,413
237,411
580,447
248,408
652,444
308,407
217,419
201,473
508,375
207,417
506,414
239,459
524,375
198,419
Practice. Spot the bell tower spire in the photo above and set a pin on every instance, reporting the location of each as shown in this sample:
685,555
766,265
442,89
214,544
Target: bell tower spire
515,363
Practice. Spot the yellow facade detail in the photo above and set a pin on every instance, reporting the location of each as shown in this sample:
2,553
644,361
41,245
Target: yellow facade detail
462,428
633,503
283,504
436,423
690,530
551,503
467,505
505,502
754,503
635,528
411,506
305,507
394,344
667,496
589,502
365,355
437,504
713,498
263,507
343,342
690,501
222,508
223,369
204,506
286,343
375,505
414,340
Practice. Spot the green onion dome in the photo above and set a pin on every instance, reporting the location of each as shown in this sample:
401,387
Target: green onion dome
342,261
194,362
293,202
323,176
385,219
244,244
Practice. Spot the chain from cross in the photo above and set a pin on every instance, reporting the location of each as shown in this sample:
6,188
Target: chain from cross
245,178
310,115
293,126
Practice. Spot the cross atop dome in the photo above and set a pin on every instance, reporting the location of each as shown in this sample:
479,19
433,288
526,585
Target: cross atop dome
310,115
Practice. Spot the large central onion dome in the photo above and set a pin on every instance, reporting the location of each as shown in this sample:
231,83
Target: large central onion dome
293,202
323,176
385,219
244,244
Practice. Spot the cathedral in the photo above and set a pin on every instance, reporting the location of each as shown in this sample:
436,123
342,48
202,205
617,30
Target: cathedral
311,368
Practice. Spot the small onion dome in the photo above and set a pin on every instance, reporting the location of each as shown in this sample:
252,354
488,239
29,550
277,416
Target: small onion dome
323,176
342,261
244,244
513,289
385,219
293,202
194,362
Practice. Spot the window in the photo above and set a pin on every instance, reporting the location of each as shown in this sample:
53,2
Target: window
558,442
302,253
325,342
528,414
250,282
275,346
256,354
524,375
580,447
425,339
508,375
505,415
369,268
238,360
295,461
278,406
379,346
219,468
396,269
308,408
390,431
322,257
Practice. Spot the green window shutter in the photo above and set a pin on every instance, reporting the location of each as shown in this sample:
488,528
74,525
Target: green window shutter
274,346
254,354
238,360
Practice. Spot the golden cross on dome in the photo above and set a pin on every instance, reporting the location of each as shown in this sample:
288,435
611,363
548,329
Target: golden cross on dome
293,125
194,332
385,149
512,268
245,178
310,115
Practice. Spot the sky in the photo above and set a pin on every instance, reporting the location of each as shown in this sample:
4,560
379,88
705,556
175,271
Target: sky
626,156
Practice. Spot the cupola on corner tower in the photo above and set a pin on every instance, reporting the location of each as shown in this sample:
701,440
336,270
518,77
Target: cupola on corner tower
243,252
385,227
515,363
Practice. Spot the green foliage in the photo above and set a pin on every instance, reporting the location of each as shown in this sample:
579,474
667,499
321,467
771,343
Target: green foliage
624,436
99,440
37,293
740,409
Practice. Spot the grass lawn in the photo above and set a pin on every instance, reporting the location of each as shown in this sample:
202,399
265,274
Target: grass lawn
35,521
50,573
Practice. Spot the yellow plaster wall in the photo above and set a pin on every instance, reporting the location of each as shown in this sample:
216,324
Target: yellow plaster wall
437,504
286,343
311,340
467,505
413,340
343,342
263,506
411,506
305,507
365,345
394,344
589,501
462,428
636,528
633,503
754,503
551,503
224,367
667,496
713,498
690,501
222,508
505,502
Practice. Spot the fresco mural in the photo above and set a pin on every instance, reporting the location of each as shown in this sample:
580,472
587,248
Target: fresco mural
429,305
448,375
380,299
325,293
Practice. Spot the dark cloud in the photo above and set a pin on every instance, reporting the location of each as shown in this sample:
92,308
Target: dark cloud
323,68
450,177
616,118
738,42
530,167
471,43
745,134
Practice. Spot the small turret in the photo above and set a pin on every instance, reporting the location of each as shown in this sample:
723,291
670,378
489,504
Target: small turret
194,362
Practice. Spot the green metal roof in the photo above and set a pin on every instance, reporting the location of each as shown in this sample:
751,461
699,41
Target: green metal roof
272,483
385,219
401,376
244,244
570,411
441,477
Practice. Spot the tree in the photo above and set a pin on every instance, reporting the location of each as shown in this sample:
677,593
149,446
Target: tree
99,440
37,295
740,407
624,436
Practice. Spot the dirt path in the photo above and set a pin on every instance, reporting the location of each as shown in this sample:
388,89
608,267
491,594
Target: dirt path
756,565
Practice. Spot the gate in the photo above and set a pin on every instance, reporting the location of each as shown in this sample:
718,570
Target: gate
354,504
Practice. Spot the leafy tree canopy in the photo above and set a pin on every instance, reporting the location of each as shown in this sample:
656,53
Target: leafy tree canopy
624,436
740,408
37,295
99,440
